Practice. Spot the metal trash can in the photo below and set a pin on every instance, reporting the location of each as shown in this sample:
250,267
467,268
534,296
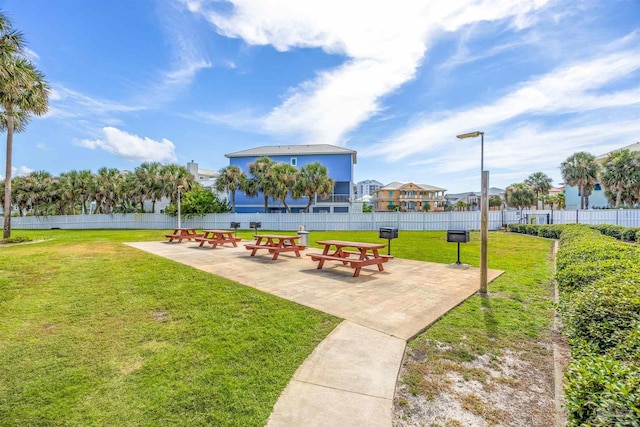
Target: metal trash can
304,238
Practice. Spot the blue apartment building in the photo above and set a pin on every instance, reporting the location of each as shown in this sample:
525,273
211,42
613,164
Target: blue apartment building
338,161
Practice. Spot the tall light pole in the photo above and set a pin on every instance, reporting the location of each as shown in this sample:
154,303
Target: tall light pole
179,223
484,213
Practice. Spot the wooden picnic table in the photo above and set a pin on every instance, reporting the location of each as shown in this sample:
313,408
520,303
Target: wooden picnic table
182,233
354,254
275,244
217,237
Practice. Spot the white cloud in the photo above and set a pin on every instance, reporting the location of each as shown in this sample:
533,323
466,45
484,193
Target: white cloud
31,55
42,146
132,147
21,171
187,52
67,103
573,88
383,47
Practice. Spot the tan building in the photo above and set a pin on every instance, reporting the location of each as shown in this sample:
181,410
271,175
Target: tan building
408,197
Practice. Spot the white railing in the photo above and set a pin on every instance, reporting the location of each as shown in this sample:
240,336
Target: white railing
336,221
334,198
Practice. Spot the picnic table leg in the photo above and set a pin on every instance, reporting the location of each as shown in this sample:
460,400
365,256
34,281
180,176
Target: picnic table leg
320,264
357,272
379,260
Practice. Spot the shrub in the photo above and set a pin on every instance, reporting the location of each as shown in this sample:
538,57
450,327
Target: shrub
600,303
517,228
638,236
605,312
579,275
630,234
585,245
552,231
602,391
614,231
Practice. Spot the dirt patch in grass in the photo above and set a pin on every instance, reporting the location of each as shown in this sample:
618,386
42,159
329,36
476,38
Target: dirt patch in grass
511,389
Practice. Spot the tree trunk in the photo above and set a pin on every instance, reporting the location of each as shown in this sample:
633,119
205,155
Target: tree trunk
233,202
286,206
7,180
618,198
266,204
306,209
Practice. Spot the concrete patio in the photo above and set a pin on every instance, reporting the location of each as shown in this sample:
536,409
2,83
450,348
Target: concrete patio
349,379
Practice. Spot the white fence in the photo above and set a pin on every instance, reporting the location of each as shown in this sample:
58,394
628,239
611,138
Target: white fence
336,221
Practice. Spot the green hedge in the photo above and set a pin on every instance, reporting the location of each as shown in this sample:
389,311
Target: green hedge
585,273
553,231
604,312
599,279
602,391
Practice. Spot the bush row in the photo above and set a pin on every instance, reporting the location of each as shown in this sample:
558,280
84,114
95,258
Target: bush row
553,231
599,281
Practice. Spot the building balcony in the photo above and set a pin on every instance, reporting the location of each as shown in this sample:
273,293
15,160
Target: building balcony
419,197
333,198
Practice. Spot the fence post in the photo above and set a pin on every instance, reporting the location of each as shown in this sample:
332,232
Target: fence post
577,210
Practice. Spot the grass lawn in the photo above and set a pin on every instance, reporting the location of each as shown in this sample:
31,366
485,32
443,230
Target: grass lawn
96,333
105,334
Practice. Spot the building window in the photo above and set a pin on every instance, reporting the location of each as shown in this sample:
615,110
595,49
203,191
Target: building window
294,161
597,187
390,193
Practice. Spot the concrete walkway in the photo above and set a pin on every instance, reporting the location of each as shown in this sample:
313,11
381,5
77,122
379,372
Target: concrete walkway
350,378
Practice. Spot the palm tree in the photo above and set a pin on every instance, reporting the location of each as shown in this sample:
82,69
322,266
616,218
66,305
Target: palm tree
174,176
519,195
262,171
38,186
581,170
461,205
495,201
229,180
107,189
313,180
541,184
149,180
23,92
620,175
283,179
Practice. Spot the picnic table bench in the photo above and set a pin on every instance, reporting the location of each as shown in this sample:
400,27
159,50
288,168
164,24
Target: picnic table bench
275,244
217,237
363,255
183,233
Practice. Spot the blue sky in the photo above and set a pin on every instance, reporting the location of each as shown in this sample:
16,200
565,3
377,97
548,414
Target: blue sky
180,80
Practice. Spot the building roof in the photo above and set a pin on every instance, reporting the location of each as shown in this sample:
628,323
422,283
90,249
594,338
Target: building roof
207,172
370,181
396,185
292,150
633,147
493,191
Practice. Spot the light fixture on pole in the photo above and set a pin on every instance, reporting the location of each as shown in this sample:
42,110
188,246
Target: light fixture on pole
484,215
179,222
